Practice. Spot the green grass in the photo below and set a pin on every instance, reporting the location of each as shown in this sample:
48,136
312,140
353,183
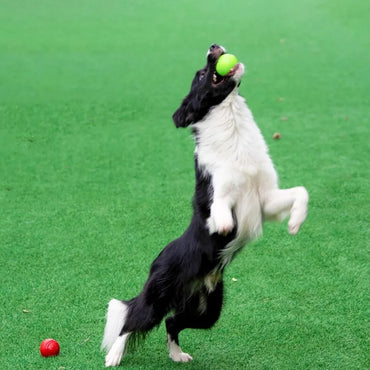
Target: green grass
95,179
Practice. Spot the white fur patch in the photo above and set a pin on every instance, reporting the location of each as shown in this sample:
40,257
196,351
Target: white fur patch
298,211
231,148
176,353
114,356
116,317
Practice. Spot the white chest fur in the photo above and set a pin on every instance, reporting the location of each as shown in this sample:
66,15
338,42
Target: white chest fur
228,137
230,147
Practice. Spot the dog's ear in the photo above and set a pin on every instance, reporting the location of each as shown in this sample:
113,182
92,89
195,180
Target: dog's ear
186,113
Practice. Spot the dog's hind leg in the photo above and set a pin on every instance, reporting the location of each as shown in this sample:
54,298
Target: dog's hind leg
277,204
201,312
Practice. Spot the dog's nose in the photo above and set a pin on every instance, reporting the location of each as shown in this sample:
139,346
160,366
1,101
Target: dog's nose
215,51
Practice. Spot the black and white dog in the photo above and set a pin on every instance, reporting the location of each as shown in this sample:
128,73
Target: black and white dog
236,190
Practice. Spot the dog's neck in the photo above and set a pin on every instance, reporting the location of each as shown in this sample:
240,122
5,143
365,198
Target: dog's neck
222,117
228,133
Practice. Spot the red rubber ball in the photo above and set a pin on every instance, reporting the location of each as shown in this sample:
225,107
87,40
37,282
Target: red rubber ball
49,347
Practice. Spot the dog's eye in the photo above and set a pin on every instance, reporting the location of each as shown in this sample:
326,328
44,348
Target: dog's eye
201,76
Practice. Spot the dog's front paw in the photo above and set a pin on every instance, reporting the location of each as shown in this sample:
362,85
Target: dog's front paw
298,212
221,221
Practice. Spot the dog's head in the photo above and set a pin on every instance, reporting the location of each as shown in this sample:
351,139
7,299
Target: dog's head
207,89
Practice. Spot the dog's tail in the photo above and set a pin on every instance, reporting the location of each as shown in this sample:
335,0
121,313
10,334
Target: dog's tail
133,318
116,318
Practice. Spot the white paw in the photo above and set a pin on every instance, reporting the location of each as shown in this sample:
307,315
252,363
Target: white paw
181,357
221,221
220,227
176,353
112,359
298,212
293,228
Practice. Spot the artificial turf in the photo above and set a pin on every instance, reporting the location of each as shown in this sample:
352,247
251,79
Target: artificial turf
95,179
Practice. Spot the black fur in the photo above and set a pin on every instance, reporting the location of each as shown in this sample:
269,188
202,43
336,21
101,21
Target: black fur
204,92
186,277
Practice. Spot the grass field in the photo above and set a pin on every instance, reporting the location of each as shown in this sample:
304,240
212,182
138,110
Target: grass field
95,179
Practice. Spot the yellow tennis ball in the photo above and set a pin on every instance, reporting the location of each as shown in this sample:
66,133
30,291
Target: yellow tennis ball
225,63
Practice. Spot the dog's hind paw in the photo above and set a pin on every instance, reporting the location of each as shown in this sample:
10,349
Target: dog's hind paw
181,357
176,353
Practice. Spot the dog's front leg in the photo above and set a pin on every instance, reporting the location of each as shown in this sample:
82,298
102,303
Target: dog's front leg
279,203
221,219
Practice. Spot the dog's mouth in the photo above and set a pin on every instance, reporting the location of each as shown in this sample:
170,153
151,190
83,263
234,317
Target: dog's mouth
213,55
217,79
